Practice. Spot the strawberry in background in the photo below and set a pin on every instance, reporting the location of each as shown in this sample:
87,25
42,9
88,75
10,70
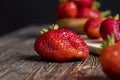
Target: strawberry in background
78,9
67,10
110,58
88,13
84,3
92,27
74,14
110,26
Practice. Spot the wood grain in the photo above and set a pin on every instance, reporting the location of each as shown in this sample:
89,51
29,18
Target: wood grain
19,61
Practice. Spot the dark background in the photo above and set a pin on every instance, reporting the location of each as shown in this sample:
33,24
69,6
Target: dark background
15,14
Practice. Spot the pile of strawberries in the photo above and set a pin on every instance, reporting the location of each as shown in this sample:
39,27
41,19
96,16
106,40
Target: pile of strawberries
77,9
94,27
82,9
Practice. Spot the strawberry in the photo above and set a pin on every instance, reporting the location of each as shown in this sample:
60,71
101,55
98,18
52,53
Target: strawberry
84,3
110,58
92,27
117,18
88,13
110,26
61,45
67,10
118,21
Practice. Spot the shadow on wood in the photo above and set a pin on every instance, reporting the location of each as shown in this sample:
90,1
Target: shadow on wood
40,59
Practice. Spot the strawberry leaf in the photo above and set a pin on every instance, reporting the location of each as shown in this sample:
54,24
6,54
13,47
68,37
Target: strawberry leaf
116,17
62,1
106,13
109,41
52,27
96,5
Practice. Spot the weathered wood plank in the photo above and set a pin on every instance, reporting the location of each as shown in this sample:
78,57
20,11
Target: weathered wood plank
18,59
72,71
10,41
15,38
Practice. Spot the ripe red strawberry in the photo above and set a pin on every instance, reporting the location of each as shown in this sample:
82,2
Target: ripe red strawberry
118,21
110,60
84,3
88,13
61,45
92,27
67,10
108,27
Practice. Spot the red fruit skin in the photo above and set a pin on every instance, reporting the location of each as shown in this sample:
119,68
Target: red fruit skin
88,13
110,61
84,3
118,21
92,27
108,27
61,45
67,10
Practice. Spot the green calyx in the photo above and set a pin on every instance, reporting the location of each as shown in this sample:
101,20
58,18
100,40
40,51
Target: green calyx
105,13
116,17
96,5
62,1
52,27
109,41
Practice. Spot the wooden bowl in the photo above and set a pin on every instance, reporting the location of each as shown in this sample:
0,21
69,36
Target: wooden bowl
75,24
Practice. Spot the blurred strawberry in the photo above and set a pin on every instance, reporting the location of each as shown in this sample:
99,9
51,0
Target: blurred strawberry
117,18
118,22
110,58
110,26
67,10
88,13
92,27
61,45
84,3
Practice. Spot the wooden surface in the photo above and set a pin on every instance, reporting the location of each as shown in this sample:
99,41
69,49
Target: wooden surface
19,61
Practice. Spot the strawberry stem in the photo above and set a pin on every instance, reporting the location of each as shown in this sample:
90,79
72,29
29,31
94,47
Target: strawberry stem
116,17
106,13
96,5
104,43
111,40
